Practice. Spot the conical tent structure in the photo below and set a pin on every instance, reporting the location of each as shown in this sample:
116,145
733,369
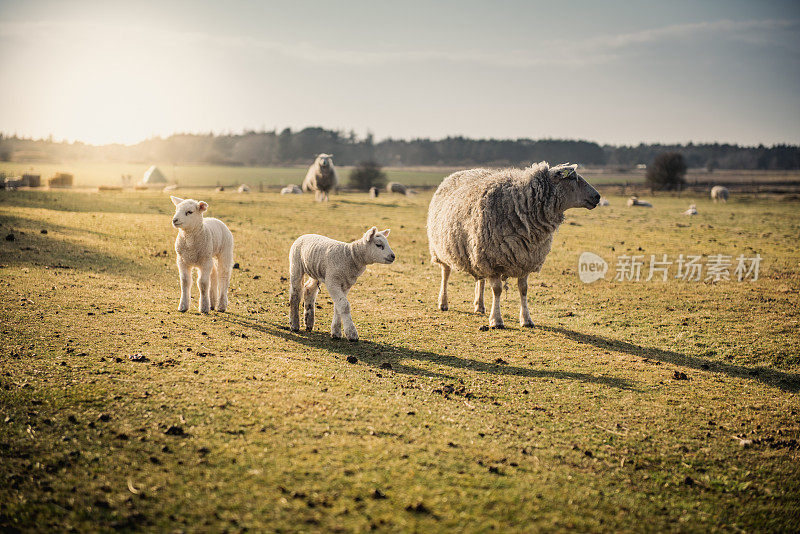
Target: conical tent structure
153,176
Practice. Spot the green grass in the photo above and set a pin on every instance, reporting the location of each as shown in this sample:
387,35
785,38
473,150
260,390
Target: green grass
580,426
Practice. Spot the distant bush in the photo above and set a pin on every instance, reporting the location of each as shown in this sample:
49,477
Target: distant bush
667,172
367,174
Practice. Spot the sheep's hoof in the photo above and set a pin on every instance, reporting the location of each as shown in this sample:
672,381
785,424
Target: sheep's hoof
294,328
526,325
444,307
183,310
353,340
309,328
498,326
221,309
336,336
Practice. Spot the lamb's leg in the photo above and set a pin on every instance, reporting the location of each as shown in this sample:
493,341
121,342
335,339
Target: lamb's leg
443,290
224,271
310,290
496,319
295,283
185,277
479,306
203,284
524,315
341,307
214,290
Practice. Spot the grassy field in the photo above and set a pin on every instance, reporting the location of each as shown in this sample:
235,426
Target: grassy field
630,406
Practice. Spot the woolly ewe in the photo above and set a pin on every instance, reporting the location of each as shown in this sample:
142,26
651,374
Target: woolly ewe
496,224
720,193
338,265
207,245
321,177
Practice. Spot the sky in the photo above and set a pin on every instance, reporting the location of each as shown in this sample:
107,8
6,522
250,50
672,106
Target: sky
613,72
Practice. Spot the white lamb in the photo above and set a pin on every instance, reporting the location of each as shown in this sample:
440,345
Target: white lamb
691,211
207,245
720,193
338,265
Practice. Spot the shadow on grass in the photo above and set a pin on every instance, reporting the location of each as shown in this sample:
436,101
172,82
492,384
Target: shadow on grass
88,201
375,354
786,381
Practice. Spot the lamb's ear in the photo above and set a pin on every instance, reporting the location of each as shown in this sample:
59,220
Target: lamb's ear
175,200
370,234
385,233
562,171
202,206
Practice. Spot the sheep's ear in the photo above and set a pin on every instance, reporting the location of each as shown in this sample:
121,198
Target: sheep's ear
563,171
202,206
175,200
370,234
385,233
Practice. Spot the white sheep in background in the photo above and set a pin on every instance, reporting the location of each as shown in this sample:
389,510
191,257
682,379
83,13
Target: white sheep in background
292,189
207,245
338,265
321,177
497,224
374,192
634,201
720,193
691,211
604,202
244,188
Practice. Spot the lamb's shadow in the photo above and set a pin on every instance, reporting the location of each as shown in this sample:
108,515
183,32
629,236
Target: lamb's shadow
786,381
375,353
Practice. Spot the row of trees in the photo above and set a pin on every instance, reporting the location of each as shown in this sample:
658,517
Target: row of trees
299,147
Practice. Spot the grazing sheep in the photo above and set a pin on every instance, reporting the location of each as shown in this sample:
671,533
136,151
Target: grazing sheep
395,187
691,211
321,177
171,187
205,244
374,192
220,188
634,201
496,224
336,264
292,189
720,193
604,202
244,188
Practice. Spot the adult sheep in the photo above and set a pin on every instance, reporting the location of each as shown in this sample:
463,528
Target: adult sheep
496,224
720,193
321,177
396,187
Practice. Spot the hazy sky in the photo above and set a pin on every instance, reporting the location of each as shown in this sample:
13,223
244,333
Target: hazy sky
613,72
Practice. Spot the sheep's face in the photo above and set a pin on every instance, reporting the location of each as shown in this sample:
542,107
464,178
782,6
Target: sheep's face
188,213
324,160
378,249
572,190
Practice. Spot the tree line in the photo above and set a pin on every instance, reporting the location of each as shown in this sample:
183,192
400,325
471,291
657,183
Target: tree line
288,147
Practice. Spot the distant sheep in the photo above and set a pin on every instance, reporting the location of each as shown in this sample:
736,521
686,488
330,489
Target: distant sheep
292,189
498,224
338,265
244,188
604,202
374,192
207,245
720,193
691,211
634,201
321,177
395,187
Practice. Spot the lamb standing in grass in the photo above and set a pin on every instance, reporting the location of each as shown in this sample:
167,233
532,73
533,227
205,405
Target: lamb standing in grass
338,265
207,245
496,224
720,193
321,177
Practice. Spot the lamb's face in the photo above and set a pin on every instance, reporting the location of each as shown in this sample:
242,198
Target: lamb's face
572,190
188,213
378,249
324,160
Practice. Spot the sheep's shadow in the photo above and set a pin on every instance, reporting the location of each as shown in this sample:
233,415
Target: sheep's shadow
376,353
789,382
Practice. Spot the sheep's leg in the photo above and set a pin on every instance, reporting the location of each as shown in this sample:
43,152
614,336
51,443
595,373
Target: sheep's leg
496,319
185,276
524,314
443,290
214,291
203,284
310,290
341,307
224,271
479,306
295,283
